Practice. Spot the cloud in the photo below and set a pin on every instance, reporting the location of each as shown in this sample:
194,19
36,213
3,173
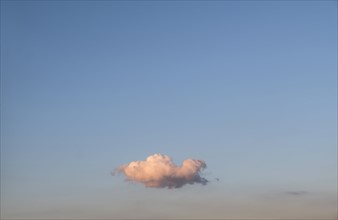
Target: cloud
159,171
297,193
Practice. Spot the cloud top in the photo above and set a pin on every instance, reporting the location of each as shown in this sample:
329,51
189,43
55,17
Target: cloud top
159,171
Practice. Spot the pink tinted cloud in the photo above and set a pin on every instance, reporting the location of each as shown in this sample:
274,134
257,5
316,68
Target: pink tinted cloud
159,171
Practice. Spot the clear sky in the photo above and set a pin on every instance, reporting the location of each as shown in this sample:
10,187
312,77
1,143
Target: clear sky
249,87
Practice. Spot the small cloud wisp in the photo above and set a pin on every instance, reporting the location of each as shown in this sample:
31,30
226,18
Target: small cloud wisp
159,171
297,193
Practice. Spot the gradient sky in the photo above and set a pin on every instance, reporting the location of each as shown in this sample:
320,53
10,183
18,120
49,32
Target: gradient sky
250,87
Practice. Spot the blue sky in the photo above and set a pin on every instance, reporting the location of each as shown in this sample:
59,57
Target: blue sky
249,87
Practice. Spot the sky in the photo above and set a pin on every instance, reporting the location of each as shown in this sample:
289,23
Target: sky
249,87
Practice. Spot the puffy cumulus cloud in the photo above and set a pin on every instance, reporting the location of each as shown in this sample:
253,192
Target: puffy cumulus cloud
159,171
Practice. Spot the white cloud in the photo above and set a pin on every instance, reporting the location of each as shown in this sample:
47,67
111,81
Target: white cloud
159,171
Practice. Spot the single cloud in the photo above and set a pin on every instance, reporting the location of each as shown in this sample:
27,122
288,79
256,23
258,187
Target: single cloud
297,193
159,171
